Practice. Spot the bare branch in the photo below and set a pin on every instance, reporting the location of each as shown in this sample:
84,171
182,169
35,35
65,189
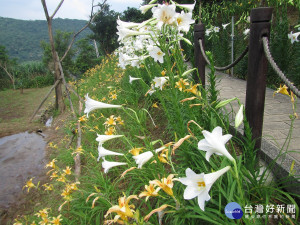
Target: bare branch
57,8
45,98
11,76
77,157
45,9
90,21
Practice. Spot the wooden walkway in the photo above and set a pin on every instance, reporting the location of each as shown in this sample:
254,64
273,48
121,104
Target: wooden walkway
277,122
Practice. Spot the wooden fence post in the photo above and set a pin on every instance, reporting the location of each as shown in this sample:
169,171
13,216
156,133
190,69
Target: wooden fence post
199,33
257,71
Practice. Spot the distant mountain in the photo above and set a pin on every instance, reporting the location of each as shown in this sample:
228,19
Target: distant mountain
22,37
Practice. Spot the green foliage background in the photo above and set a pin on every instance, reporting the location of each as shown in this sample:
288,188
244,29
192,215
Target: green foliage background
22,38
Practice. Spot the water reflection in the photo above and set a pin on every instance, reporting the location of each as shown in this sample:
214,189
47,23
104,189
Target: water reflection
21,157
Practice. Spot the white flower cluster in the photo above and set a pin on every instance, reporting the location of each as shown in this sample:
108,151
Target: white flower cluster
140,40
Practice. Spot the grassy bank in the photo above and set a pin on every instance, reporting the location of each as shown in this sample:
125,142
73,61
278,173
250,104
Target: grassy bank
100,193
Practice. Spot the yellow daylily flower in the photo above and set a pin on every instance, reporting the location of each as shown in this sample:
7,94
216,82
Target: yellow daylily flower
110,131
53,175
181,84
66,194
43,213
136,151
124,210
82,119
194,90
73,186
45,221
29,184
78,150
51,145
48,187
163,156
51,164
166,184
155,105
62,178
56,220
150,191
119,120
67,170
282,90
110,121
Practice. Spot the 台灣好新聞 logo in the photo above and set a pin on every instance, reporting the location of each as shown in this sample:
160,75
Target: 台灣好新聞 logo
233,210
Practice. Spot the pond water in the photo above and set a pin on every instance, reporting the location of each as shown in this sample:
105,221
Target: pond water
22,156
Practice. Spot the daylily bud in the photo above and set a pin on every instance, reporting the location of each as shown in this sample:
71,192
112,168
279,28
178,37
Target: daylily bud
225,102
188,72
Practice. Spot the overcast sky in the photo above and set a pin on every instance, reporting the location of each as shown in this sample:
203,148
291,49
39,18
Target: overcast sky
72,9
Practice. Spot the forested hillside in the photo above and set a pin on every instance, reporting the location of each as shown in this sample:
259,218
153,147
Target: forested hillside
22,37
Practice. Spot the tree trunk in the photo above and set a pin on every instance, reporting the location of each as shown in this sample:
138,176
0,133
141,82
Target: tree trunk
11,76
59,101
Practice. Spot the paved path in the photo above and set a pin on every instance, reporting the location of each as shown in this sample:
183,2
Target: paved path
276,117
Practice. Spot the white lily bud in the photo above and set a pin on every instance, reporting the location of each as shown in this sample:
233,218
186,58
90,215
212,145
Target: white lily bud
141,159
239,117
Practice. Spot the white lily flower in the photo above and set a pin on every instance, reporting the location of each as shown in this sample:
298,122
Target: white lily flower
123,24
156,53
225,25
91,105
106,165
246,32
208,31
198,185
160,81
141,159
125,33
145,8
214,142
103,138
189,7
216,29
133,78
184,20
293,37
239,117
165,14
102,152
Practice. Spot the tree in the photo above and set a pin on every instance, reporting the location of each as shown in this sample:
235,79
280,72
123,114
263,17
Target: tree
135,15
5,63
59,103
61,43
86,57
104,28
